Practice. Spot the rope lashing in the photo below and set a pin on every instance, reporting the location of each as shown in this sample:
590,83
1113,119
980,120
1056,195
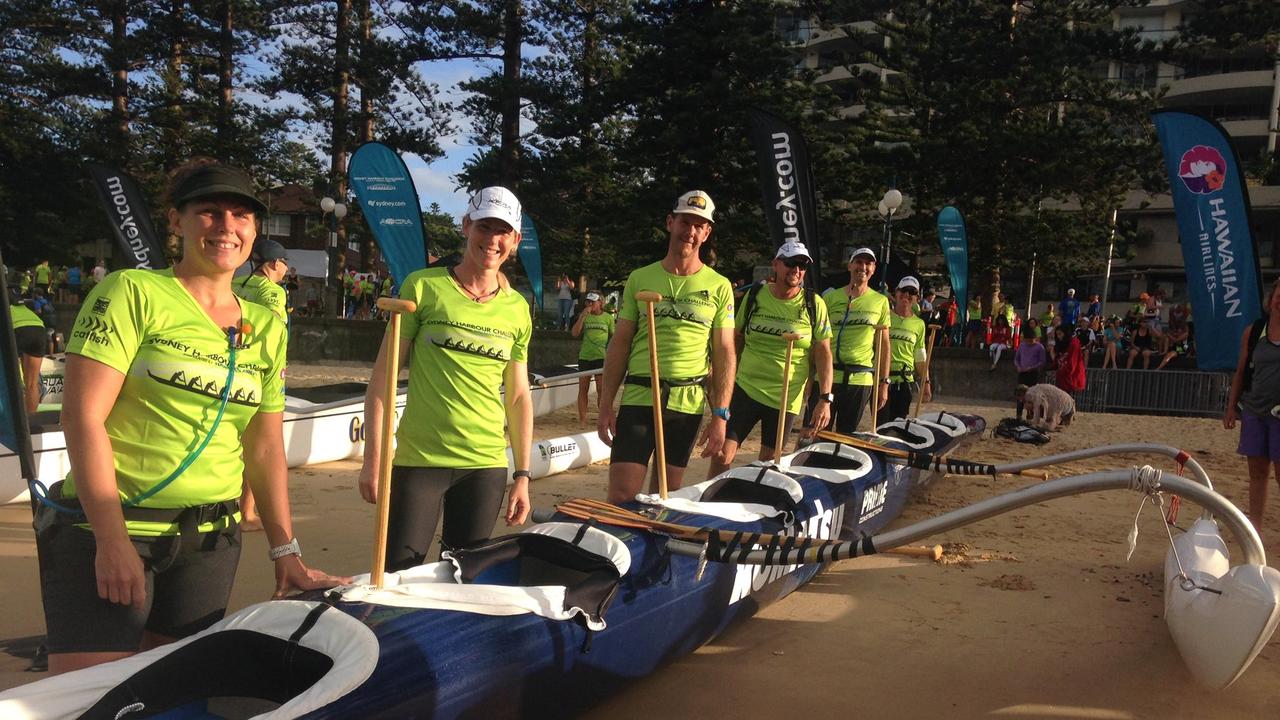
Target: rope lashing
938,463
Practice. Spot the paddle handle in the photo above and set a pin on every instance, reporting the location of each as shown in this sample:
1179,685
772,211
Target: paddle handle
928,365
779,440
876,357
389,391
650,298
934,552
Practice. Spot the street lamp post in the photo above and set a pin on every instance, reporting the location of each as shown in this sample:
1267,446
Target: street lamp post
889,205
336,211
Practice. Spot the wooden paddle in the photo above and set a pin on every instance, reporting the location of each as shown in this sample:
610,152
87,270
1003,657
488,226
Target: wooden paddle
649,298
925,461
928,365
876,376
609,514
394,308
791,338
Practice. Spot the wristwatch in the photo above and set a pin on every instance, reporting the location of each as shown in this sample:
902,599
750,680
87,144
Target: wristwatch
722,413
827,397
521,474
885,381
290,548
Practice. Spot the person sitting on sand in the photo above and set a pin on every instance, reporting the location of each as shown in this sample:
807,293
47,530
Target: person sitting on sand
1047,406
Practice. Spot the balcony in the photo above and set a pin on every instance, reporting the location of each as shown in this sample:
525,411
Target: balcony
1238,87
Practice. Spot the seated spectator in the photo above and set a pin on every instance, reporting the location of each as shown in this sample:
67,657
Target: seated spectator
1181,344
1144,343
1001,336
1095,307
1114,342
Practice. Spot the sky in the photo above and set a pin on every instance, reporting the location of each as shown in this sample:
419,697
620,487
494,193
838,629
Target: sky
435,182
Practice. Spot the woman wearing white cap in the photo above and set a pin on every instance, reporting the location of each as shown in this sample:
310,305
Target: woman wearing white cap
595,327
469,337
906,354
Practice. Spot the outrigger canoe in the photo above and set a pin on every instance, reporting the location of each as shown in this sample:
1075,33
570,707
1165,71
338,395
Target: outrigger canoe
538,624
321,424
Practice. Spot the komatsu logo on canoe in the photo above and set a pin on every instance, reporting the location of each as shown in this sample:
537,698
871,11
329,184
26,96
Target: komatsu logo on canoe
822,526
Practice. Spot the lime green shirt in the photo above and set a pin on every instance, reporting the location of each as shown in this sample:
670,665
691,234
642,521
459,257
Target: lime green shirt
461,349
853,323
258,289
24,316
146,325
764,352
42,273
906,343
692,306
596,332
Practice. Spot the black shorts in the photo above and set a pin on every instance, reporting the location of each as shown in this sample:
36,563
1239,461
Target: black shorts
590,364
472,499
744,413
846,412
635,440
1029,377
898,405
32,341
187,589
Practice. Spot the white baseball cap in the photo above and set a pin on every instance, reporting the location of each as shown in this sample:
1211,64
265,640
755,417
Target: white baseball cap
1071,291
495,202
909,282
695,202
593,296
793,249
863,251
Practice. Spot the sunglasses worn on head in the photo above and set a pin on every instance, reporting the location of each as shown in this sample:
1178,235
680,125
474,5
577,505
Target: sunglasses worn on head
796,262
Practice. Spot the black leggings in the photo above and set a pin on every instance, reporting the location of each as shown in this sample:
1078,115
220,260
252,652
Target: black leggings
898,406
846,411
472,499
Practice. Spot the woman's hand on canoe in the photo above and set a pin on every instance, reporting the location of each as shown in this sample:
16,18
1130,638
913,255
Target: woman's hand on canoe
293,577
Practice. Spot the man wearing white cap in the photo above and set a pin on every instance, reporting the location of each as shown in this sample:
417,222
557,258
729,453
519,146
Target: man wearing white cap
783,306
696,309
470,338
856,313
1069,308
595,327
906,354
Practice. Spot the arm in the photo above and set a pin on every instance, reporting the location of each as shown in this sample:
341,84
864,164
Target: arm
92,389
724,366
268,475
1237,381
822,364
577,324
519,409
615,367
374,410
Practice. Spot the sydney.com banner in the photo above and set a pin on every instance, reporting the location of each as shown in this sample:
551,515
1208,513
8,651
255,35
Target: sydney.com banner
390,203
955,246
1212,207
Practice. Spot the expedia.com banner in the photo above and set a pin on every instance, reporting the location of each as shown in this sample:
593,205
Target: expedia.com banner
955,247
389,200
1211,203
130,220
786,185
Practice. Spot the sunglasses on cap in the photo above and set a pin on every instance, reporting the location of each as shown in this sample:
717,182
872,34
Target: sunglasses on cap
796,262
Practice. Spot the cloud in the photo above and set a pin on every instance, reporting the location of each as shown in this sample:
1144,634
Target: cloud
436,184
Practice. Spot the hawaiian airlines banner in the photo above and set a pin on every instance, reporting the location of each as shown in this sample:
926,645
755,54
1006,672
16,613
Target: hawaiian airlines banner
389,200
14,438
786,184
955,247
130,220
531,257
1212,206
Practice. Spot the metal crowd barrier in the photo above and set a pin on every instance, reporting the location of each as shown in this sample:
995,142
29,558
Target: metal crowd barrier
1192,393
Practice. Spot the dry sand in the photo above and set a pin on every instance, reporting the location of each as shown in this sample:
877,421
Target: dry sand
1036,613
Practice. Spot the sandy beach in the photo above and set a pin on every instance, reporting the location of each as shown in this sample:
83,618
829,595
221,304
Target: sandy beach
1033,614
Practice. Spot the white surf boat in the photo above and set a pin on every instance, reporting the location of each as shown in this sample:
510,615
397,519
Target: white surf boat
321,424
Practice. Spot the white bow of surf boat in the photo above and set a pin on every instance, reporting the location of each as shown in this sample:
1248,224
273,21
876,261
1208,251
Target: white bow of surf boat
321,425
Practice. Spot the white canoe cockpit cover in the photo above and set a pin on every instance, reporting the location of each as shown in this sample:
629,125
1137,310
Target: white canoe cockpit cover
560,571
830,462
1225,615
146,683
744,494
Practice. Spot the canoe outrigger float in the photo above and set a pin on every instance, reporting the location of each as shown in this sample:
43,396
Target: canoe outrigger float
551,619
321,424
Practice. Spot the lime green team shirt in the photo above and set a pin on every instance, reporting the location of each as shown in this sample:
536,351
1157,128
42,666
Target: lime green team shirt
853,323
461,349
906,343
692,306
24,316
764,352
596,331
258,289
146,325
